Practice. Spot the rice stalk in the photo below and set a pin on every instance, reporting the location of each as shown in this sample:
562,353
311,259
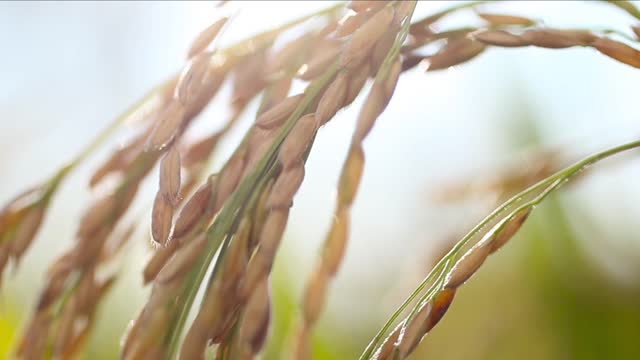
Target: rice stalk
222,227
234,221
190,97
335,243
457,266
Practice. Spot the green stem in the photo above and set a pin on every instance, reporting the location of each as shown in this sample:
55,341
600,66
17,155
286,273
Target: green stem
382,74
223,222
549,184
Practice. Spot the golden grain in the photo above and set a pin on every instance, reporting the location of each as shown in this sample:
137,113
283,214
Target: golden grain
502,20
285,187
229,179
167,126
170,175
255,321
206,37
385,350
365,37
26,230
352,23
513,224
298,141
161,217
159,259
556,39
333,98
373,106
194,209
381,49
414,330
278,113
335,244
499,38
356,82
191,78
315,295
319,62
466,266
208,88
456,51
619,51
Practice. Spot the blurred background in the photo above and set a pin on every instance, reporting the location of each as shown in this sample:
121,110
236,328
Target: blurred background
567,287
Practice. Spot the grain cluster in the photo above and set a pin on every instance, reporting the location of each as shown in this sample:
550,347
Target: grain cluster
219,233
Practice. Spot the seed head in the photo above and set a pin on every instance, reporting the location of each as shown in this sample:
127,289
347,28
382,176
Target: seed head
206,37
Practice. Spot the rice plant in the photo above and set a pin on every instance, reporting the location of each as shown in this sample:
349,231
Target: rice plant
217,234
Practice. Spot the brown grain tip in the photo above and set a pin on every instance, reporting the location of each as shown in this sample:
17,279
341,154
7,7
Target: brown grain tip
170,175
285,187
194,209
206,37
279,112
385,350
333,98
365,37
351,176
315,295
509,230
27,230
357,80
410,61
191,79
167,126
293,147
468,264
373,106
456,51
557,39
205,91
336,242
255,322
426,318
161,216
499,38
502,20
441,304
415,330
381,49
618,51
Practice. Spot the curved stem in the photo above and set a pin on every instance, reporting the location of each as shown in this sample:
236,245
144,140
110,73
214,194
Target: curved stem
549,184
